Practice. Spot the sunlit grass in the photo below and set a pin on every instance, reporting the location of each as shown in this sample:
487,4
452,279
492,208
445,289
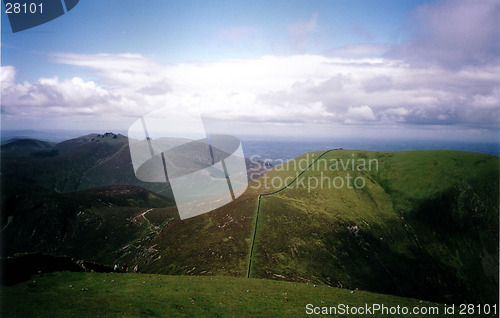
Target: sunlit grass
66,294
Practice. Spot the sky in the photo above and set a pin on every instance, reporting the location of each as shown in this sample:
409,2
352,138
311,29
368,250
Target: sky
364,69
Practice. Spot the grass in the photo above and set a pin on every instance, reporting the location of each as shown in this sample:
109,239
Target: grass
425,224
95,224
66,294
215,243
400,245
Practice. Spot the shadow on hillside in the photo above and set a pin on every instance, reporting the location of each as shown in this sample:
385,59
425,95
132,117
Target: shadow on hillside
21,267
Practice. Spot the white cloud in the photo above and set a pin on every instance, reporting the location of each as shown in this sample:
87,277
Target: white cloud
308,90
359,114
394,115
8,76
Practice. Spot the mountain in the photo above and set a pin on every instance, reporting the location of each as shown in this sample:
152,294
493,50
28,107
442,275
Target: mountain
96,224
420,224
83,200
81,163
26,148
67,145
425,225
63,170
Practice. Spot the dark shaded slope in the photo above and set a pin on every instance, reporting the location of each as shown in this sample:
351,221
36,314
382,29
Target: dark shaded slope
94,224
82,163
22,267
67,145
117,169
26,148
61,172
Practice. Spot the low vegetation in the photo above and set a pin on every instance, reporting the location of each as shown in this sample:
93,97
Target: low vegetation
417,224
424,225
66,294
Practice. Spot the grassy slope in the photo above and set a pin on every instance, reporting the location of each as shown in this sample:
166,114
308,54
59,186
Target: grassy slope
145,295
62,172
117,169
216,243
400,248
77,164
96,225
26,147
404,245
427,223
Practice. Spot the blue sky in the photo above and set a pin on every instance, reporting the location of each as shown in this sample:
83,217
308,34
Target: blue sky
183,31
352,67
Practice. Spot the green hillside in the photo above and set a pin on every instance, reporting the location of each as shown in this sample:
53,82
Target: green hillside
27,147
63,164
425,224
66,294
94,160
420,224
53,200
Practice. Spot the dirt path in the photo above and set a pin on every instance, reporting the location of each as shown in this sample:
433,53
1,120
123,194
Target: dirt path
143,214
152,227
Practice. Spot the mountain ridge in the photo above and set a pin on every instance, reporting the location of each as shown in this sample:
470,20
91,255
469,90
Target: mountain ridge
403,233
81,163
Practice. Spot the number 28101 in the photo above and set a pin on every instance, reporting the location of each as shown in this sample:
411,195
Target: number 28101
15,8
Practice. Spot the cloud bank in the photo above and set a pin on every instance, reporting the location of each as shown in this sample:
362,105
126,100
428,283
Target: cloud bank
293,89
445,76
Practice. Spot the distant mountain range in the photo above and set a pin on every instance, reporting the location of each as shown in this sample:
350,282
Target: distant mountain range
80,163
80,197
424,224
